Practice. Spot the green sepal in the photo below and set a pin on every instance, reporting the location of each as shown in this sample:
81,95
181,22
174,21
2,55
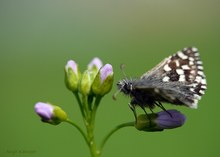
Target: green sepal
101,88
72,79
85,83
94,70
146,123
59,115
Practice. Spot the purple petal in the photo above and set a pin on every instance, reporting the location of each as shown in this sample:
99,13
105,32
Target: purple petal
106,71
170,120
71,64
95,62
44,110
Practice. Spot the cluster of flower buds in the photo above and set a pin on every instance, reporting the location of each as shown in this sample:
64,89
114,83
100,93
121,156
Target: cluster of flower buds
96,79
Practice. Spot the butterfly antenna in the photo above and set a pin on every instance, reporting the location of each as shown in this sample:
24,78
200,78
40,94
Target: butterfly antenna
116,93
122,67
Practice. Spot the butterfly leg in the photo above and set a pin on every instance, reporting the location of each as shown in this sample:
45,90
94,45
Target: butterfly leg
132,107
142,107
161,106
151,110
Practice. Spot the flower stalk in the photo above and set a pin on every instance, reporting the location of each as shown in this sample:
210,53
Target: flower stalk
123,125
79,129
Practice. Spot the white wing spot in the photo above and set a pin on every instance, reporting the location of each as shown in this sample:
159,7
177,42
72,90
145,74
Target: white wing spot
200,67
204,87
203,81
169,59
185,67
199,62
193,67
196,54
194,49
198,79
166,79
192,71
197,96
201,92
181,55
180,71
188,51
192,89
182,78
156,90
194,105
191,63
166,67
191,58
191,77
200,73
194,85
177,63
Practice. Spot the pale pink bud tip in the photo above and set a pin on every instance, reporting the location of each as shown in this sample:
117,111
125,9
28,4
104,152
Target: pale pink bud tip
44,110
71,64
95,62
106,71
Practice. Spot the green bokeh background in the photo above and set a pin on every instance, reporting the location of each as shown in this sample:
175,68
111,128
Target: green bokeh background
37,38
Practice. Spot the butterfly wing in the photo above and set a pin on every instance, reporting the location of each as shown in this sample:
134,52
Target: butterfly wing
178,79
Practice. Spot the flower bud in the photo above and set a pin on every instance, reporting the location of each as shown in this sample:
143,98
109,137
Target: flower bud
94,67
72,75
86,82
89,76
95,64
50,113
103,80
168,119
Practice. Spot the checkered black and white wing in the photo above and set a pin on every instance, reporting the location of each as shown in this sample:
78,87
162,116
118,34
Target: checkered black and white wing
178,79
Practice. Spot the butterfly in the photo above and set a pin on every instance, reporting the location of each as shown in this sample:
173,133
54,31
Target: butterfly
178,80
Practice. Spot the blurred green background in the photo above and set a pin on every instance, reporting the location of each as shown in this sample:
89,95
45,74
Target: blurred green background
37,38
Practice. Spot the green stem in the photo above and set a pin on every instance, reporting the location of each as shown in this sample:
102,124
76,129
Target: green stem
80,104
123,125
95,107
92,145
90,100
90,128
86,107
79,129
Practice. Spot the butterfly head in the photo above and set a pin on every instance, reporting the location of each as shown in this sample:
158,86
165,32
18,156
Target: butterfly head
125,86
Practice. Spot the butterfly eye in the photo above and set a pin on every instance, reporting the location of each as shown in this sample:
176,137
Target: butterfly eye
130,86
